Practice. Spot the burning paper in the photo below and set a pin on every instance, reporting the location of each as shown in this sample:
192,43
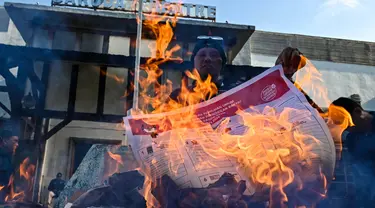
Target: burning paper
263,131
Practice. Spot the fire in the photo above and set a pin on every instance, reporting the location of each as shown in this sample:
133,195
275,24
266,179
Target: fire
13,196
114,163
338,119
310,80
273,154
276,157
27,171
116,157
112,76
17,192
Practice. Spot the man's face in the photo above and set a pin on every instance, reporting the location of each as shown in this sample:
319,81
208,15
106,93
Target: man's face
11,143
208,62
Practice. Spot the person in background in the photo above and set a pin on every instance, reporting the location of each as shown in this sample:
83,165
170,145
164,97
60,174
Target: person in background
360,145
292,60
356,98
55,187
8,146
209,58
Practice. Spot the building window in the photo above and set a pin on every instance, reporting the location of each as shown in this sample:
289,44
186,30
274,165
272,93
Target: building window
58,86
87,88
65,40
115,91
119,45
92,43
41,39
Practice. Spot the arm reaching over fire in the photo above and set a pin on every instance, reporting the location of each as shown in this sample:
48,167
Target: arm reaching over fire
293,60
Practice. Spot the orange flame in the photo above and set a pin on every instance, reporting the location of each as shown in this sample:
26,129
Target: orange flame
273,153
112,165
26,172
116,157
310,80
112,76
338,119
13,196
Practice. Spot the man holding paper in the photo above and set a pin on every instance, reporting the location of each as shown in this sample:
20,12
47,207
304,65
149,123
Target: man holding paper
209,59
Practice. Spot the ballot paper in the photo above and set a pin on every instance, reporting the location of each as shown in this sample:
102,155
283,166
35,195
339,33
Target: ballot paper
190,166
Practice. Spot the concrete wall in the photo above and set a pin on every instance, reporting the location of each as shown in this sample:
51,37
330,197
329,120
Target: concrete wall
346,66
339,79
8,31
316,48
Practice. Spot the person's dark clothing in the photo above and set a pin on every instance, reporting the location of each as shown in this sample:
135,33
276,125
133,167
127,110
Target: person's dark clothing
56,186
6,170
354,185
362,145
6,167
220,86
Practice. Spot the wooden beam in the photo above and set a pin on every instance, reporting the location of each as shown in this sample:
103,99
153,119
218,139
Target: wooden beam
101,91
47,55
52,114
34,79
105,47
56,128
18,53
73,90
5,108
44,81
14,90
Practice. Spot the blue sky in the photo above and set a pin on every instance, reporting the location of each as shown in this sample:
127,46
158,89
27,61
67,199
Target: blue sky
348,19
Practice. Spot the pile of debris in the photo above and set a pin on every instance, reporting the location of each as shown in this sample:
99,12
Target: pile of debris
122,190
87,188
22,205
94,169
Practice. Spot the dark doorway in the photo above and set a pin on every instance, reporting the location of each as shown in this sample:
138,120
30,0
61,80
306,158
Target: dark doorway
80,147
80,150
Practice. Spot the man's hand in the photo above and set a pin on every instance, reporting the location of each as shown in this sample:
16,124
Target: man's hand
291,60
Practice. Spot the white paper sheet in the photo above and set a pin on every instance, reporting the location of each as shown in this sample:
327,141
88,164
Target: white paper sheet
188,164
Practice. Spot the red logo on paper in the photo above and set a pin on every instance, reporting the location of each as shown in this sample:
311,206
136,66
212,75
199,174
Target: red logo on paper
268,93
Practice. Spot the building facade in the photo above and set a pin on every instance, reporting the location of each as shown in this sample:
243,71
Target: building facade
73,38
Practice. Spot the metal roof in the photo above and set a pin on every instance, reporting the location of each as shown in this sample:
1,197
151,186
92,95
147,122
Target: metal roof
27,16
